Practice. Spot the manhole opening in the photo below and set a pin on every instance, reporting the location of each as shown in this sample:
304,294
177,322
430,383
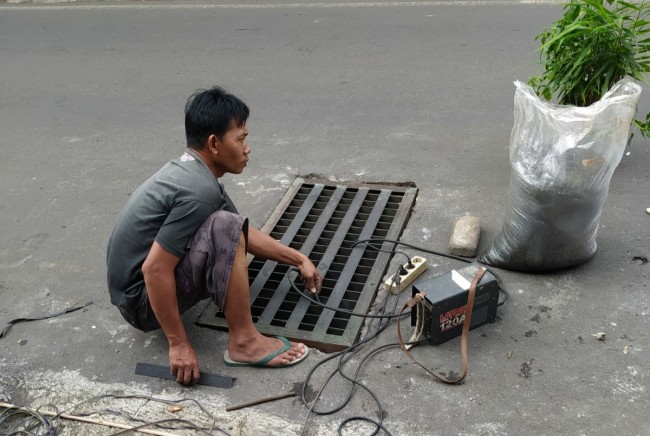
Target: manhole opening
324,219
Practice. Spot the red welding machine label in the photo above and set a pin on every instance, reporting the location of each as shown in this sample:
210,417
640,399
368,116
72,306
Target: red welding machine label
452,318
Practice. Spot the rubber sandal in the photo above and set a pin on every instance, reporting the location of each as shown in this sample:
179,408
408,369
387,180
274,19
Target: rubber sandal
264,362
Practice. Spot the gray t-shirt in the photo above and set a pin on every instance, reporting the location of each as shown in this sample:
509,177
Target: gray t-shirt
167,208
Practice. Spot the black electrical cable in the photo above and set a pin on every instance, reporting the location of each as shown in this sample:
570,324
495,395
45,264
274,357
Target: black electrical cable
13,322
381,250
369,241
415,247
338,370
43,426
308,296
380,425
187,424
342,354
30,422
344,357
354,348
355,383
384,321
190,426
359,367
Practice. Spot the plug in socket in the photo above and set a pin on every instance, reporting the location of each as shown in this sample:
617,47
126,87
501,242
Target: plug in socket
419,265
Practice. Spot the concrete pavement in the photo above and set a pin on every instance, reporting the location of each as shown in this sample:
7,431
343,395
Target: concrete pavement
91,103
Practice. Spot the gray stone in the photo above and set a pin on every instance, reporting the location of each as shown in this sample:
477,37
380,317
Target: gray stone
465,236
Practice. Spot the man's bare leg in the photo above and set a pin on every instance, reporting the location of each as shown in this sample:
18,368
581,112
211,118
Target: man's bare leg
245,343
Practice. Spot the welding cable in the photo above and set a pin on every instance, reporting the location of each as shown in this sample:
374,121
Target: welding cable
354,349
190,426
371,354
369,241
43,427
380,426
381,250
186,425
341,354
426,250
40,425
5,331
353,379
26,422
415,247
344,357
317,302
316,299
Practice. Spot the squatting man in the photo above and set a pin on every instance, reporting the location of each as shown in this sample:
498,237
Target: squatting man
179,240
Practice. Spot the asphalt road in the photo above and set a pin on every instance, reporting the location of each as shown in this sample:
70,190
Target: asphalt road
91,103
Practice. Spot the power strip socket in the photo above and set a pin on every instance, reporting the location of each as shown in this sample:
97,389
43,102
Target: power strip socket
419,265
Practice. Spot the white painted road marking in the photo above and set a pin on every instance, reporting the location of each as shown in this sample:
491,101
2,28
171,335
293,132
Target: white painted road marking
60,6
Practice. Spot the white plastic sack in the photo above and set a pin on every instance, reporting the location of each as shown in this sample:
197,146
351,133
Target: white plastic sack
562,159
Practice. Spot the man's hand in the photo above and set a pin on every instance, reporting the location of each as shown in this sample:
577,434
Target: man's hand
262,245
184,363
311,277
158,271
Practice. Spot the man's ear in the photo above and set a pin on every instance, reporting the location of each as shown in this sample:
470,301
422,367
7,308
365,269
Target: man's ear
213,144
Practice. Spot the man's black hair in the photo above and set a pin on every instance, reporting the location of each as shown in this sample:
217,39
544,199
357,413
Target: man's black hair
210,112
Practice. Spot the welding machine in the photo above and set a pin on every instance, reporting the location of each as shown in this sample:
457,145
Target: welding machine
441,314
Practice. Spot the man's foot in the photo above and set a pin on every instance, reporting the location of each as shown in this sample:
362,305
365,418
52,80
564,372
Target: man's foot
265,352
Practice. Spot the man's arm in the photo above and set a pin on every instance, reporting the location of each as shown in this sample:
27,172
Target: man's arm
158,271
262,245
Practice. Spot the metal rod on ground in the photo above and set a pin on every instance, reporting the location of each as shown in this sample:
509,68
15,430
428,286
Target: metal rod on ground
89,420
261,401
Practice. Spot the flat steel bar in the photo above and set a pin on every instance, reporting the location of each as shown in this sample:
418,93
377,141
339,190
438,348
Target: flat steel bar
333,247
286,239
353,261
383,261
303,317
160,371
281,292
373,186
283,205
280,208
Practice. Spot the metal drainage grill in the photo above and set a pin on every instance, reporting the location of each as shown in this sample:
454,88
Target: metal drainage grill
324,219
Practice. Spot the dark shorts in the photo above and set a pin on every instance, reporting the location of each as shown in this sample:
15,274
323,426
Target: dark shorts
204,272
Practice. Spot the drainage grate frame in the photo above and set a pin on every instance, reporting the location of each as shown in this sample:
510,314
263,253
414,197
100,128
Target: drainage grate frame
323,219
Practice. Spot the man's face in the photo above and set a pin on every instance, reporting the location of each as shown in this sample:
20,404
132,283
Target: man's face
232,150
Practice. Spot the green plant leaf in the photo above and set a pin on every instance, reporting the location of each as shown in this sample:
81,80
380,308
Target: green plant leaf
594,44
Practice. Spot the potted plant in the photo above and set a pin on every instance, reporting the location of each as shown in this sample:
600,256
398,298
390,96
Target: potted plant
592,46
563,154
